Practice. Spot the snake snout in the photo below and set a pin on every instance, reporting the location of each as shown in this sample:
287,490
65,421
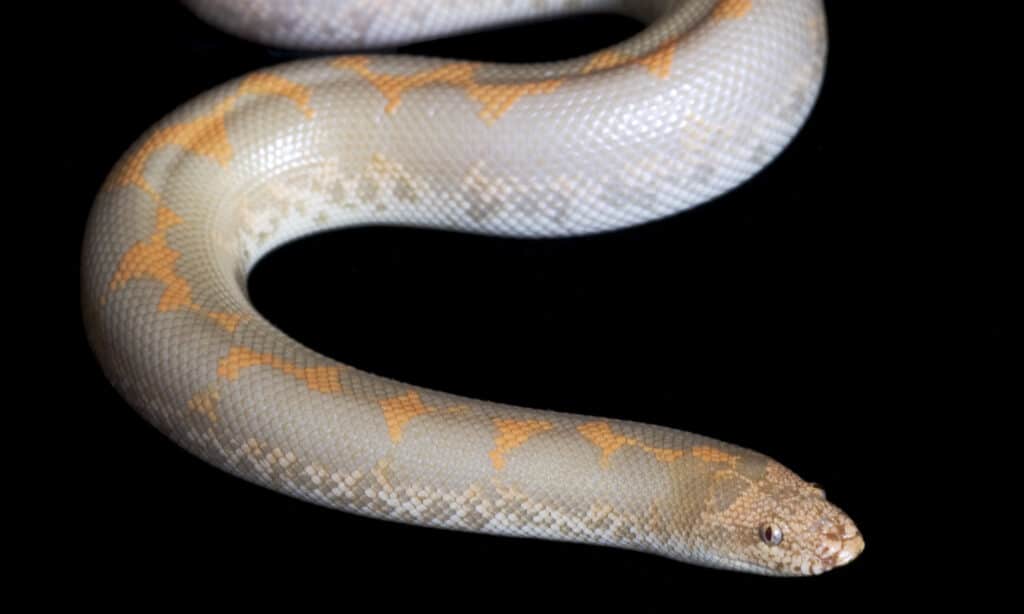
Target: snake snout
841,542
852,547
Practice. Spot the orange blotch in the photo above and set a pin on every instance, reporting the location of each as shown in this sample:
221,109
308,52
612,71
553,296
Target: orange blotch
207,134
151,258
732,9
393,87
205,402
319,379
496,98
602,435
398,411
714,455
665,455
267,84
228,321
658,63
204,136
606,60
513,433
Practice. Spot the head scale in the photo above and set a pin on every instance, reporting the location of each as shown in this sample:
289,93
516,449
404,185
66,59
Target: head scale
776,525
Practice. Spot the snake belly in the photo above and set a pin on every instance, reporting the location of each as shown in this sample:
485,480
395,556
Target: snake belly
695,104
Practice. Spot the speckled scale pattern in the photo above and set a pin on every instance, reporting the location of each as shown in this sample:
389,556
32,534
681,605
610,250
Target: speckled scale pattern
702,99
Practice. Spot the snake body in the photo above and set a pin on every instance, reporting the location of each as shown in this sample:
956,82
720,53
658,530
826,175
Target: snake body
695,104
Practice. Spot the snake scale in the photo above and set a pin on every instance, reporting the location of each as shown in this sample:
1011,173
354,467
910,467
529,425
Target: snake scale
700,100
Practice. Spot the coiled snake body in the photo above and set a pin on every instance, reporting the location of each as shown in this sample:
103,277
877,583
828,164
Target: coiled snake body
699,101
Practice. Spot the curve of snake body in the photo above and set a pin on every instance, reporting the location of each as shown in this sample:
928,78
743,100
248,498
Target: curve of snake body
695,104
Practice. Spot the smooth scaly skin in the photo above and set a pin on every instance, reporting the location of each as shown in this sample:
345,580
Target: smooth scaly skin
694,105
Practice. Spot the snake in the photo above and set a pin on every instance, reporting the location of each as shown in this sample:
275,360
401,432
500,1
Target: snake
694,104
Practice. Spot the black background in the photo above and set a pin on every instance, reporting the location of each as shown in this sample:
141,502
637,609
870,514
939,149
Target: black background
786,316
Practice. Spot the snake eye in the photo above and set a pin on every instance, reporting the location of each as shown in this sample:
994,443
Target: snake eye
770,534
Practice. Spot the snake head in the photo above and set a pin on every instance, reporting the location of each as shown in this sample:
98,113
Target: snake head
777,525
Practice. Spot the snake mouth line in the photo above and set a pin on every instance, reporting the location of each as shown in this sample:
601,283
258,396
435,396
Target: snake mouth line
852,547
849,550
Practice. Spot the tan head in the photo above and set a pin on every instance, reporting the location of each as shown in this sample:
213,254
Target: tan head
776,525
